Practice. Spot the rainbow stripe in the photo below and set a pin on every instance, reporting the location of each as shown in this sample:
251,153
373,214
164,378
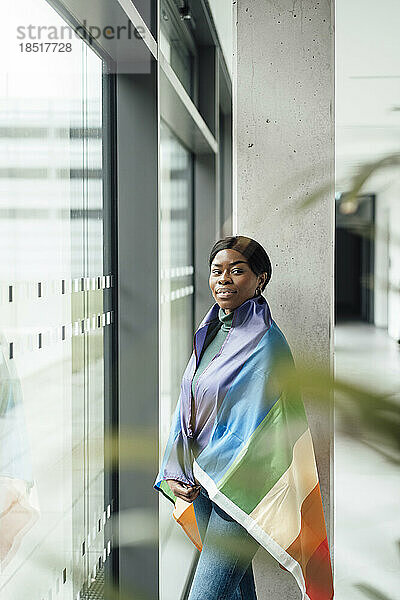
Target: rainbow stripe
258,462
287,520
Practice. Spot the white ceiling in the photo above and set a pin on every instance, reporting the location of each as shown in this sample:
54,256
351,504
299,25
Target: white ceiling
367,82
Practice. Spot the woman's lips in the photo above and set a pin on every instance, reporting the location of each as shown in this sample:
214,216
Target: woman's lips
225,293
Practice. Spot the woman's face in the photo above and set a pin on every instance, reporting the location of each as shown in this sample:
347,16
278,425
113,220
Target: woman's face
232,282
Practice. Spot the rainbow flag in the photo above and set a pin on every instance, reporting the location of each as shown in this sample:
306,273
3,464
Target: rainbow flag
245,438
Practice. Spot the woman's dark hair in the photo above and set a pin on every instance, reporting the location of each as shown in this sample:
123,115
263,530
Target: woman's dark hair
259,261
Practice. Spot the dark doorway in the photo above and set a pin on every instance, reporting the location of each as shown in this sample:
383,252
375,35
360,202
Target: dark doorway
354,262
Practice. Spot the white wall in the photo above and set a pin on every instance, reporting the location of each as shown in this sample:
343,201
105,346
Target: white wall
368,128
367,81
381,267
387,253
394,263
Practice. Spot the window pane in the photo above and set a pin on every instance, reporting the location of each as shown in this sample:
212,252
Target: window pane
51,324
177,46
176,261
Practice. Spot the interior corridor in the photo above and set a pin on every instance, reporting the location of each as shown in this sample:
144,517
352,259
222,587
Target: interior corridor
367,486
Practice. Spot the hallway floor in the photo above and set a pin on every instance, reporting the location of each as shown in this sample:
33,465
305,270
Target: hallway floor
367,486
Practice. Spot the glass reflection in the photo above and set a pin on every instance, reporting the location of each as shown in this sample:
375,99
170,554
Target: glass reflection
51,325
176,261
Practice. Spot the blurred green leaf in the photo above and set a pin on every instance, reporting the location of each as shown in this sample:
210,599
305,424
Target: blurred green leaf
359,179
371,592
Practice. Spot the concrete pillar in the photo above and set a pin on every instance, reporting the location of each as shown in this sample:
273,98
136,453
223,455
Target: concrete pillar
284,150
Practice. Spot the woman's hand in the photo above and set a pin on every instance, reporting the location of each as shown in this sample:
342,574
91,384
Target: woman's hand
183,490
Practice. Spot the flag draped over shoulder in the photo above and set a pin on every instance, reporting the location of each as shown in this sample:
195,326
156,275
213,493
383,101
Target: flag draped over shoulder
244,436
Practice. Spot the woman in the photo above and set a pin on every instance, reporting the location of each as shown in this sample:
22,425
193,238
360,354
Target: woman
239,463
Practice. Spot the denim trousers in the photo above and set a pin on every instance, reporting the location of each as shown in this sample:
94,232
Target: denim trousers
224,570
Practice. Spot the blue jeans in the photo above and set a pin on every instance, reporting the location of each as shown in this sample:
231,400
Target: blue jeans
224,570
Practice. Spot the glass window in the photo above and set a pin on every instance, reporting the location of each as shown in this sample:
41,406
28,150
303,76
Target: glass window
52,323
176,262
178,47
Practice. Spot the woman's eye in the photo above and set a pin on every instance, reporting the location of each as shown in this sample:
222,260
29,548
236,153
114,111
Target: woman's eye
237,271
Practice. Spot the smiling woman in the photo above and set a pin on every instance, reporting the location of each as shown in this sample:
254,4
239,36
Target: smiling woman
239,269
239,464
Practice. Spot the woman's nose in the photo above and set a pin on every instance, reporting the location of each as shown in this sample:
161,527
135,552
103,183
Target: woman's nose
225,276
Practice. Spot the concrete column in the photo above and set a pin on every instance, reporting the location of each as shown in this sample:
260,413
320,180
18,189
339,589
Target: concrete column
284,150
